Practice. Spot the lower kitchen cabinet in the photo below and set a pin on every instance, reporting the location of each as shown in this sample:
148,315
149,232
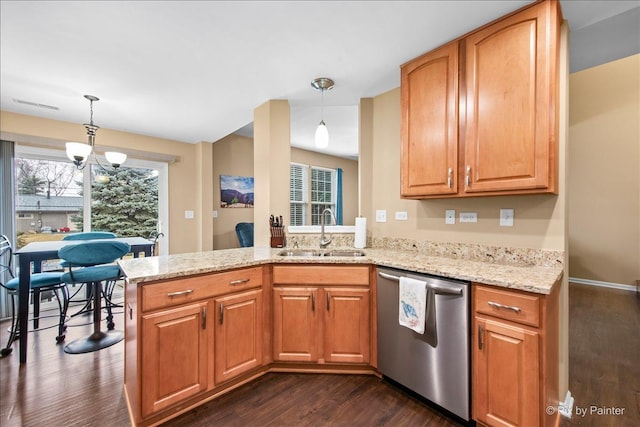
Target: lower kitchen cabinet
238,334
175,351
190,337
515,357
346,325
295,324
317,318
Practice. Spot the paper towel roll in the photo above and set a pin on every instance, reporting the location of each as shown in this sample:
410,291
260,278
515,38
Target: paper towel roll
360,240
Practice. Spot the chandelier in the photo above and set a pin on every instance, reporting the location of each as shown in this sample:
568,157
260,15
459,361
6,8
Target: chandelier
79,152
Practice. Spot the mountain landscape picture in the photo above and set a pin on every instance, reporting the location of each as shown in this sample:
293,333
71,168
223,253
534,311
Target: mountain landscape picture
236,191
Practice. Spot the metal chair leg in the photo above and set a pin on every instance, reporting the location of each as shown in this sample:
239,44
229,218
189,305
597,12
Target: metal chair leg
14,329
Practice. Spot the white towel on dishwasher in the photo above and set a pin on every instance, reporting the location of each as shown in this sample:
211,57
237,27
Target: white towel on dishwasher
413,304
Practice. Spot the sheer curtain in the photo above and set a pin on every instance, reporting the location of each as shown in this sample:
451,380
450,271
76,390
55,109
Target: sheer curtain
7,208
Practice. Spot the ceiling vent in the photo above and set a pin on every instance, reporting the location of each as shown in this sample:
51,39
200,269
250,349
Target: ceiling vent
35,104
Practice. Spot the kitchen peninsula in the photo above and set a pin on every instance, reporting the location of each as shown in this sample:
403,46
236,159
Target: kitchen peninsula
201,324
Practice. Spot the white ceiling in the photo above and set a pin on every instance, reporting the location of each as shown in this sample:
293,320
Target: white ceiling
195,70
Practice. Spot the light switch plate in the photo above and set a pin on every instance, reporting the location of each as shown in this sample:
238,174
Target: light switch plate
450,216
468,216
401,216
215,214
506,217
381,216
188,214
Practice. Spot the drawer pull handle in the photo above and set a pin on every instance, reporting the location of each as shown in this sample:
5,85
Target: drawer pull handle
239,282
177,294
504,307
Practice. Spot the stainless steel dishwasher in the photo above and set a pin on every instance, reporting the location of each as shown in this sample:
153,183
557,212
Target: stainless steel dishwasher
435,364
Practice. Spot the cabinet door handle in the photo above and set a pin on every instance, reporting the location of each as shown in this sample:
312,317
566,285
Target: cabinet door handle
480,336
504,307
239,282
313,301
176,294
328,300
221,313
468,176
204,317
450,177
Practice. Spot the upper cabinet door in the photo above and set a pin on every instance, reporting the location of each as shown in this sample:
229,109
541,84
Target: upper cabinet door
510,96
429,97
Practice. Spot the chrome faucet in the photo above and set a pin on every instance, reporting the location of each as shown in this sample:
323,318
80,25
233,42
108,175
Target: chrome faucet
323,241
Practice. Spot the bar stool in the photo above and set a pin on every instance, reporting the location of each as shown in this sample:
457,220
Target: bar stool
87,235
96,259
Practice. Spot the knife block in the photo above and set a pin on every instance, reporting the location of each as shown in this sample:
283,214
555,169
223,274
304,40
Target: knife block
278,238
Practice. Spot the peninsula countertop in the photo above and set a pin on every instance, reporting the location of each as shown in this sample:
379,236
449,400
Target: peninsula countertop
537,279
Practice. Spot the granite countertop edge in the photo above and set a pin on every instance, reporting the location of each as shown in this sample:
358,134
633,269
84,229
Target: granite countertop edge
541,280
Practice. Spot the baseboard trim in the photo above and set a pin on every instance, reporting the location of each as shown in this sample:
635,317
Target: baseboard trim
620,286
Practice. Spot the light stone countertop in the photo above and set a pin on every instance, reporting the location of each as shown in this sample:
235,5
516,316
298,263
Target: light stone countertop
525,278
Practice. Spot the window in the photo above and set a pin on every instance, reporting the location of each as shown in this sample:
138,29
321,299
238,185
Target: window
76,202
312,189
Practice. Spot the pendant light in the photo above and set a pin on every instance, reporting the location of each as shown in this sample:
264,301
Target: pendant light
79,152
322,134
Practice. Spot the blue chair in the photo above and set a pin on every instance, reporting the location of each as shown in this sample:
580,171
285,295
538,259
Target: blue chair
92,262
40,282
90,235
85,235
244,231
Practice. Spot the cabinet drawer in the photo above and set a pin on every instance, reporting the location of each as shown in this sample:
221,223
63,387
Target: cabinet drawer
321,275
180,291
509,305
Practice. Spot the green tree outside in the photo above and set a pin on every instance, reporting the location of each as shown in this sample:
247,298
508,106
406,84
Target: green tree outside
124,201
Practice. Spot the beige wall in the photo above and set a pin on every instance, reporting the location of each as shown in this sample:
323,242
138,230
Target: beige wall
185,173
349,178
232,155
604,184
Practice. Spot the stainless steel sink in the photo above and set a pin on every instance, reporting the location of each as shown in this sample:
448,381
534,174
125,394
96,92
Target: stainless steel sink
319,253
300,253
345,253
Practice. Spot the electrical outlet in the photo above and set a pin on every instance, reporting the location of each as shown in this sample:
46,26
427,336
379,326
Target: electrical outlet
188,214
450,216
468,217
506,218
381,216
215,214
401,216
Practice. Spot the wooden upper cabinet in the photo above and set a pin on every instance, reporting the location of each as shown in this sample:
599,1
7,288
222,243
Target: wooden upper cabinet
510,87
429,93
479,113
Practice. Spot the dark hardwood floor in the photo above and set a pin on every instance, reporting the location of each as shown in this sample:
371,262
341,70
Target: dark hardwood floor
59,389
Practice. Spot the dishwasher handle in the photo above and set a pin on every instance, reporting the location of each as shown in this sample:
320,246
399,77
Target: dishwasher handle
438,289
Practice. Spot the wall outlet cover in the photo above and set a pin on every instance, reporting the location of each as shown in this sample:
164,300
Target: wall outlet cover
381,216
506,218
188,214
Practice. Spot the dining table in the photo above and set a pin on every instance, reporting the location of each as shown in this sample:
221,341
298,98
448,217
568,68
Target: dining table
30,259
